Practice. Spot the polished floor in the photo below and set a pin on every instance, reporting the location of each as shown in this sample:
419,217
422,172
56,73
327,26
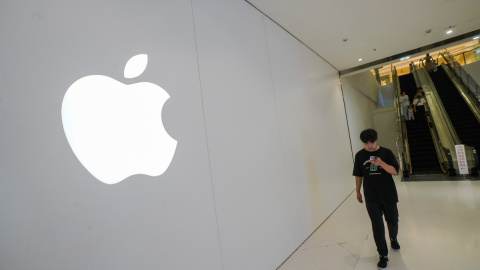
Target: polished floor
439,229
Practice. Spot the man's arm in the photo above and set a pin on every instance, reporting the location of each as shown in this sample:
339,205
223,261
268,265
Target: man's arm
388,168
358,181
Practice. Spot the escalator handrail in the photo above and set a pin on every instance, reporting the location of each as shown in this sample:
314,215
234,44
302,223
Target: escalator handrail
442,109
452,63
442,152
401,125
470,98
459,71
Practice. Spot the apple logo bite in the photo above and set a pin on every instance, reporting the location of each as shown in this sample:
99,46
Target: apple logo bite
116,130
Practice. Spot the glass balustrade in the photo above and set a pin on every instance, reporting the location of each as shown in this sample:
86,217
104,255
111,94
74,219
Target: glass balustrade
464,54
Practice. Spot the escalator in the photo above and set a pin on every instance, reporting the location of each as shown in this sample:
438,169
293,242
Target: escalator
423,155
464,121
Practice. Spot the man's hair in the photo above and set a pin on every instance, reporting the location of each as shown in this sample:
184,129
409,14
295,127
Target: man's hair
368,135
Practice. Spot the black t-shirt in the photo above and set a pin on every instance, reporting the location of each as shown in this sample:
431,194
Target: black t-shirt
378,185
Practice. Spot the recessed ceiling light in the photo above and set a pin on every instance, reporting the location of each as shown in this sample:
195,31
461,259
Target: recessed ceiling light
404,58
360,59
476,38
449,31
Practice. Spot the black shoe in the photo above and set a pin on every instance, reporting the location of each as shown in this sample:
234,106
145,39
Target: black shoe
395,245
383,263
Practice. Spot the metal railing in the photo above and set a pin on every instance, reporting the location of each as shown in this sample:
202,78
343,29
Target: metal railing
443,153
404,150
439,105
463,75
467,55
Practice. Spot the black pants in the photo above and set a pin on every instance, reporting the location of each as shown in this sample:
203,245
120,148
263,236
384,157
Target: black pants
376,212
420,114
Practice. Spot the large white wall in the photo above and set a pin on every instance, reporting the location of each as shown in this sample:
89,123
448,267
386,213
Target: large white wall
385,123
257,116
360,93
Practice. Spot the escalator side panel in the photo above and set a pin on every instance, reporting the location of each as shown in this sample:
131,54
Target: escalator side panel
422,149
463,120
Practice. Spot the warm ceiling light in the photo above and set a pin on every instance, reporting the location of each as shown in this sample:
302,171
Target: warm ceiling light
449,31
360,59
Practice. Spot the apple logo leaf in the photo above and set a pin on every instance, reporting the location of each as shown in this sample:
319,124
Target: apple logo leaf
135,66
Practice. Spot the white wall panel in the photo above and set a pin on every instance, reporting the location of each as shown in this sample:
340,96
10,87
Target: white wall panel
54,214
296,121
361,95
243,135
334,163
385,123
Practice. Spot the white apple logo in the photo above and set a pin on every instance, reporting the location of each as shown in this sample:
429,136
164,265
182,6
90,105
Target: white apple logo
116,130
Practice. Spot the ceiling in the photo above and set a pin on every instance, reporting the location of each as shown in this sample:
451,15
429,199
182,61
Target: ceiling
376,31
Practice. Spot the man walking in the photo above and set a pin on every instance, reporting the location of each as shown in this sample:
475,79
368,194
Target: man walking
374,166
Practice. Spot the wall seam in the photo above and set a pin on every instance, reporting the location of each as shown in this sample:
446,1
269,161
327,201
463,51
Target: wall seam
206,136
279,130
346,118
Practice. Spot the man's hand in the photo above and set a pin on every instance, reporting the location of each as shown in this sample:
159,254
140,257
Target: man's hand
377,162
388,168
358,183
359,197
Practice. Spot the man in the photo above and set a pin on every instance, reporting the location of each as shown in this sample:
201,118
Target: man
404,103
429,63
419,93
419,105
374,166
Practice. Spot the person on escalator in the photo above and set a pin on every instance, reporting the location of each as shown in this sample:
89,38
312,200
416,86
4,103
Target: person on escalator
404,102
410,113
419,93
429,63
419,105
